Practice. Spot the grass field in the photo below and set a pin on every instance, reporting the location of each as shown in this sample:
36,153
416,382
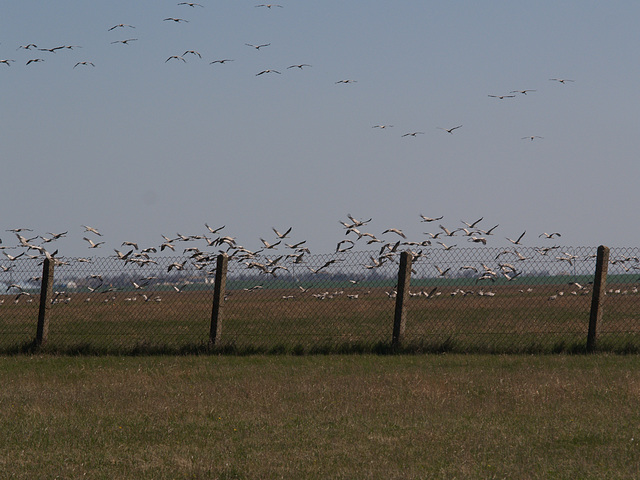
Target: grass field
515,317
316,417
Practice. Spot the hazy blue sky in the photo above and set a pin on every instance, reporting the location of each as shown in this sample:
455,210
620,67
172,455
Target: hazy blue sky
138,146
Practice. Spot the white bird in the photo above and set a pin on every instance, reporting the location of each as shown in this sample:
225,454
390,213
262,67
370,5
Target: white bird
91,243
517,242
441,272
92,230
429,219
396,231
446,247
281,235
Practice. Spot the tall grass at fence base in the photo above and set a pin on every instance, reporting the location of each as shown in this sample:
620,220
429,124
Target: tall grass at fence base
435,346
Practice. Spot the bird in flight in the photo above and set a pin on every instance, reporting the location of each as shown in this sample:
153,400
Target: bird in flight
225,60
382,126
126,42
523,92
177,20
190,4
120,25
347,81
517,242
282,235
300,65
450,130
177,57
396,231
268,71
6,62
413,134
549,235
257,47
92,243
35,60
269,5
429,219
501,97
531,137
92,230
27,47
84,63
192,52
561,80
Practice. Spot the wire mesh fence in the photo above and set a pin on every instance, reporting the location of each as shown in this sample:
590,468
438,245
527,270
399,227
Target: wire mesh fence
461,299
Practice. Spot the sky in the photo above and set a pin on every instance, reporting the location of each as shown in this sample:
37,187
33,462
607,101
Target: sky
140,145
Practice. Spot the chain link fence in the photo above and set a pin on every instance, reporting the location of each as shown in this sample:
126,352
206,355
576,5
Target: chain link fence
521,299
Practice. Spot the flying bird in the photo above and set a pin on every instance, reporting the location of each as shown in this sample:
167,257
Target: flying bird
121,25
347,81
190,4
177,57
300,65
549,235
523,92
177,20
561,80
282,235
84,63
6,62
126,42
382,126
91,229
517,242
429,219
192,52
450,130
27,47
225,60
35,60
502,97
92,243
532,137
257,47
269,5
396,231
413,134
268,71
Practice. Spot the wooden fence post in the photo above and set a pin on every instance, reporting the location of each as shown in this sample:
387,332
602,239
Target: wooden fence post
597,298
400,317
46,293
218,299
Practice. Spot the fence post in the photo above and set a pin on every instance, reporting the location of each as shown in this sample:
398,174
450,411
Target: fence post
218,299
46,292
597,298
400,317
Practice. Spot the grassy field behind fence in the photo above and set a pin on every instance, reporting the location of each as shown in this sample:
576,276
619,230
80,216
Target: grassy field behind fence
460,316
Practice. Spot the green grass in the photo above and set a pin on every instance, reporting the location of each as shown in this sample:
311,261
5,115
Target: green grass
317,417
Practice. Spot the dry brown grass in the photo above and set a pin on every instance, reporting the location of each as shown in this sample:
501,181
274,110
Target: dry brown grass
321,417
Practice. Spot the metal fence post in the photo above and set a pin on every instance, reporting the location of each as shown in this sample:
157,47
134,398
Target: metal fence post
597,298
400,317
46,292
218,299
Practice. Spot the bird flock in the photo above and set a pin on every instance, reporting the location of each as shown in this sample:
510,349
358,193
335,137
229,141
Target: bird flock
280,254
